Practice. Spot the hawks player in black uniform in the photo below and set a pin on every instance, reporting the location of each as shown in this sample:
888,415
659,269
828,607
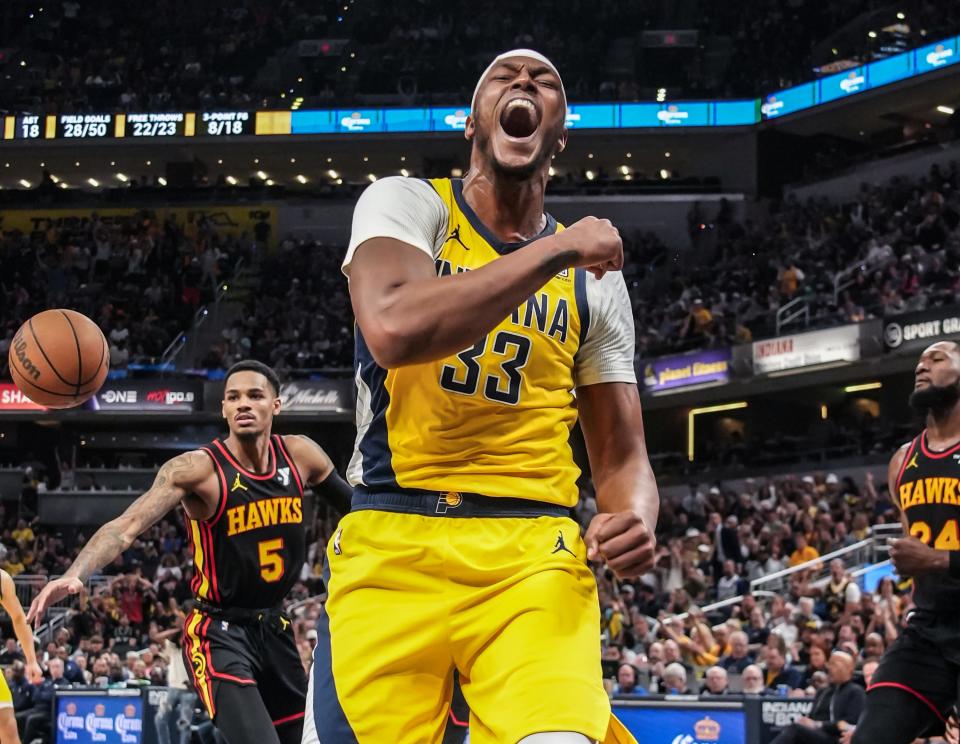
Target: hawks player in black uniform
243,503
915,687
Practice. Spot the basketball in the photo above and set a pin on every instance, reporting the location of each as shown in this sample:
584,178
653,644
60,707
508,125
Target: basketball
59,358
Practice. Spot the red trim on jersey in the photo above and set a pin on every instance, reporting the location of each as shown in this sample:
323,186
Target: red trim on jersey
457,721
222,501
210,562
936,455
290,462
287,719
214,672
903,468
921,698
233,461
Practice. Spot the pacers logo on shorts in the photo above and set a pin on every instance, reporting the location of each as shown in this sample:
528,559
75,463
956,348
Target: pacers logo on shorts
447,501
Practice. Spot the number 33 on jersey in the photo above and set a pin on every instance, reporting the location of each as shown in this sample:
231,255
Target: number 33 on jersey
495,418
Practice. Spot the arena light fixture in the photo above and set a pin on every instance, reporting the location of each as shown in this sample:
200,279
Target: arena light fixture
333,174
162,181
692,417
371,177
863,387
293,160
231,180
624,170
149,162
552,172
948,110
590,175
872,34
301,178
666,154
63,185
664,174
458,172
824,413
220,161
270,182
261,175
93,182
55,178
122,177
901,16
404,172
25,183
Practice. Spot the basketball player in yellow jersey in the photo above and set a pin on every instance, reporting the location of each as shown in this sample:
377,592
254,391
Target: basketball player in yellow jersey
483,332
21,628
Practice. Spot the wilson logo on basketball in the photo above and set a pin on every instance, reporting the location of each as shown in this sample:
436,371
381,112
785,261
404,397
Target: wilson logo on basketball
20,350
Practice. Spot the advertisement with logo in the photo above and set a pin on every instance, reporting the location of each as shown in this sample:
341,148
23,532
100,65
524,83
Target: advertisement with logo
99,719
711,365
317,396
11,399
173,396
935,56
787,101
806,349
916,330
675,725
777,714
843,84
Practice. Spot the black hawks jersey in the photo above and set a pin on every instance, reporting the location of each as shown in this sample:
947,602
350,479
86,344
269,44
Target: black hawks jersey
249,554
928,490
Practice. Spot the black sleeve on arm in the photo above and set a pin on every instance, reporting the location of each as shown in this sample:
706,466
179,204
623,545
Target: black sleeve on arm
955,564
336,491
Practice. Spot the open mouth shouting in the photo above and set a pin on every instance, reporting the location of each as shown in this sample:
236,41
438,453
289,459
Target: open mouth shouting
519,118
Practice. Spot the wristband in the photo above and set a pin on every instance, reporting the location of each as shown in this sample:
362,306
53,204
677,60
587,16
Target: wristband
336,491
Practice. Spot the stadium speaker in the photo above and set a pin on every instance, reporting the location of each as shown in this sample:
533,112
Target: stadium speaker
180,175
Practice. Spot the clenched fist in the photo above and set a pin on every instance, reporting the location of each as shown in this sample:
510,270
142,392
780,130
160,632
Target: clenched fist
623,541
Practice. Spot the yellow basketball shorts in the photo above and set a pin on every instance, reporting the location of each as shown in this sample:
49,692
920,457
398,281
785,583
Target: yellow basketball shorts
6,697
507,601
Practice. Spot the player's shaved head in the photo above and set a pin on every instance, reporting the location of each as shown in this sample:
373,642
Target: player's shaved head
937,379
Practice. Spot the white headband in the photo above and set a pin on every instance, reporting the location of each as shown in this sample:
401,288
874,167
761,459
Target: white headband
507,55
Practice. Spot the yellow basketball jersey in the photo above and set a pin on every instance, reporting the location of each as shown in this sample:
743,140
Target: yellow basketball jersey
494,419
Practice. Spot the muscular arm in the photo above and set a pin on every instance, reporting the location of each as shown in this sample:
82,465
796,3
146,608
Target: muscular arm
175,479
910,556
409,315
15,612
893,472
612,425
314,464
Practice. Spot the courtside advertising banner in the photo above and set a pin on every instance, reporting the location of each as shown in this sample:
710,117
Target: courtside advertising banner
915,330
169,396
807,349
11,399
710,365
103,717
682,725
317,396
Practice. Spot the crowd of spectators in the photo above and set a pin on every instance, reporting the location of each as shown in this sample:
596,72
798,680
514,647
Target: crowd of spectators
299,315
901,237
95,55
77,56
777,640
140,278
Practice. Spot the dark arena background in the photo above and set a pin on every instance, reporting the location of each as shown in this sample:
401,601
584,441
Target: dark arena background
785,177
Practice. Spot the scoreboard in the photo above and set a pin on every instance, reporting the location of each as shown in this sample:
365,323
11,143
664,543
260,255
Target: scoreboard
357,122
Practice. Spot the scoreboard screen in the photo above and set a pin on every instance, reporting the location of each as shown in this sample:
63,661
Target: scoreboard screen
84,126
158,125
226,123
26,126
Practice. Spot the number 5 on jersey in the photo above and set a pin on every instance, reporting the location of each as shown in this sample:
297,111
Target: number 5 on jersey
271,561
